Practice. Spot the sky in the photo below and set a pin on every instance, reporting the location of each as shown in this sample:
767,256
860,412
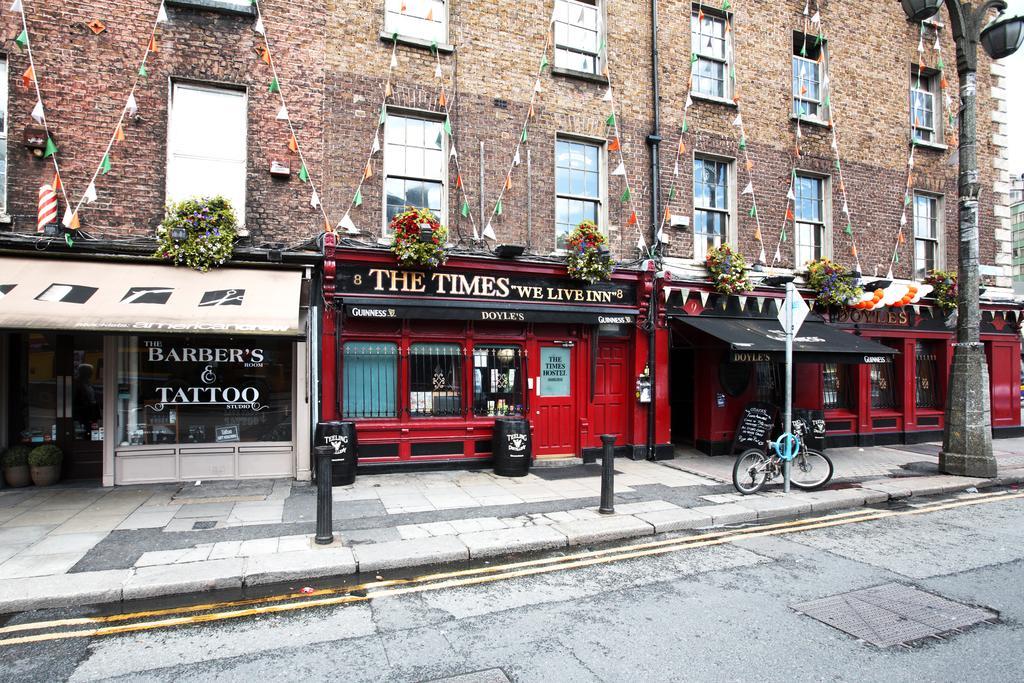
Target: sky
1015,109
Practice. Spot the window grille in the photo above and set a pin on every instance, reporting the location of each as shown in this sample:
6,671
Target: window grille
369,379
883,394
836,386
435,380
927,375
767,382
497,380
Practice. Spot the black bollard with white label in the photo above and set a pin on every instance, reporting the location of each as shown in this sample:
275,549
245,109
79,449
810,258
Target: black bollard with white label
324,503
607,474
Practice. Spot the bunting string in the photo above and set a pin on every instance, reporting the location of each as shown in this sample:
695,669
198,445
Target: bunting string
24,41
615,145
465,208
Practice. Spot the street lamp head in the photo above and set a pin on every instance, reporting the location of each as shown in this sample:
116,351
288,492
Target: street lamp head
919,10
1003,35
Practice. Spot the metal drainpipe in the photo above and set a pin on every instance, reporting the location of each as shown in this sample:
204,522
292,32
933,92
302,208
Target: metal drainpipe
654,140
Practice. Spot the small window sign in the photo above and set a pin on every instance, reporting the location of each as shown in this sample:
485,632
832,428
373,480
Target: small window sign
226,434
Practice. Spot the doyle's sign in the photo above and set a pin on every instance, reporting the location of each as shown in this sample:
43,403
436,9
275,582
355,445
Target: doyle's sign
366,279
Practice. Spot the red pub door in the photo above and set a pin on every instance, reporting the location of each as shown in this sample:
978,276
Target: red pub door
610,411
556,429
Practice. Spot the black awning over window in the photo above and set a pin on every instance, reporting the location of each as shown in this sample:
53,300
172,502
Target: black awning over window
762,340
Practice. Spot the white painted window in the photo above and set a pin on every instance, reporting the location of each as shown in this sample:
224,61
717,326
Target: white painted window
415,166
3,135
712,204
423,19
810,211
710,43
578,186
809,87
578,35
927,233
925,107
206,144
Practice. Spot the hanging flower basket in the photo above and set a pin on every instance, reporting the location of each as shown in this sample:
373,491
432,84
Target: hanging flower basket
944,289
587,258
832,283
199,233
414,246
728,270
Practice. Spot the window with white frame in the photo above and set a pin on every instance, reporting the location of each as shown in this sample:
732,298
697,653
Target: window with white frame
809,88
925,107
3,135
578,35
415,166
710,44
809,212
423,19
578,186
206,144
711,204
927,233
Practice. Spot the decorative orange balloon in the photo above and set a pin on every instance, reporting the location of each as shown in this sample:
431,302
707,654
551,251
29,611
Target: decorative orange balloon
879,293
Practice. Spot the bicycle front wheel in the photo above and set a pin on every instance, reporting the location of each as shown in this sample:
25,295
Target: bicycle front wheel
750,471
810,469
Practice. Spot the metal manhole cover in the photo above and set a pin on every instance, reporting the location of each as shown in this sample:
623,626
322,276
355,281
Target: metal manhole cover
893,614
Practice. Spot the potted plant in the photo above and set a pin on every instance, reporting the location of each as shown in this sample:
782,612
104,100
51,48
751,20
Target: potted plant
418,239
943,284
832,283
199,233
44,464
587,256
15,462
728,270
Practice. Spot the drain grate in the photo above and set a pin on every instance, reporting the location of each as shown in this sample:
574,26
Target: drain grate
893,614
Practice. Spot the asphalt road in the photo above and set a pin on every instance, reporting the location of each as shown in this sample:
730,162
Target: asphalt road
714,613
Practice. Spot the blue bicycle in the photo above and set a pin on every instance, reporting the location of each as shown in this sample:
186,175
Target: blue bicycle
809,469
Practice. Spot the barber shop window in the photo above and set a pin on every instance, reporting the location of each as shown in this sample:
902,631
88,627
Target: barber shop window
927,375
497,380
369,379
435,380
182,390
883,389
836,386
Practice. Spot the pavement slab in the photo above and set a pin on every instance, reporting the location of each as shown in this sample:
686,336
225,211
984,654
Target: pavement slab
675,519
412,552
41,592
496,542
194,577
300,564
726,513
602,529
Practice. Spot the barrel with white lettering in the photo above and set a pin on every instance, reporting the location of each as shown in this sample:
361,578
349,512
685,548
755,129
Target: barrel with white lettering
341,436
512,445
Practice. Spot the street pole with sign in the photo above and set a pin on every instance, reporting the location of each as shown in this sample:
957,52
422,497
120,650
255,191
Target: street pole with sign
791,316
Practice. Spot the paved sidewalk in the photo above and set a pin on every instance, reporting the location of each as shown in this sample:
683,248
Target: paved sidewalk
66,546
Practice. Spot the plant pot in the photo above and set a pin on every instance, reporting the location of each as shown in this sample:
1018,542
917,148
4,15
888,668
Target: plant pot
45,476
17,476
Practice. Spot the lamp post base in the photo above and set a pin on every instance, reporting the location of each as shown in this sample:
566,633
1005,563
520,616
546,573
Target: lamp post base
967,443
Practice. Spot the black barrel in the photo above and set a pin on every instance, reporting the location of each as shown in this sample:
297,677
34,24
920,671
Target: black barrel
341,436
811,428
513,449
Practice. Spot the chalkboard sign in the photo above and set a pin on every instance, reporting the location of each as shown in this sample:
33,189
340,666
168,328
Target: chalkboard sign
809,425
755,426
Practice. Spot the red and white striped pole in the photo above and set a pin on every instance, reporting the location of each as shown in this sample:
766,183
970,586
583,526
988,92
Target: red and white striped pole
47,207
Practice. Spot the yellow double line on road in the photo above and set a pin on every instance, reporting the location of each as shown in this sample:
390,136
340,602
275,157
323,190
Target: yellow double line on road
57,629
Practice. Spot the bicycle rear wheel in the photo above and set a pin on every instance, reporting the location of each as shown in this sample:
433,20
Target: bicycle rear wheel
810,469
750,471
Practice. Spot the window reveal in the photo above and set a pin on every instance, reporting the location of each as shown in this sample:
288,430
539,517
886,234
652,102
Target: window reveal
422,19
710,44
836,387
809,223
369,379
415,166
927,231
810,83
435,380
497,380
577,186
883,393
927,375
710,204
578,33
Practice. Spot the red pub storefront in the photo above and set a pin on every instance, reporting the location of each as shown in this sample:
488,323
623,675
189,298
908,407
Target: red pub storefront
424,361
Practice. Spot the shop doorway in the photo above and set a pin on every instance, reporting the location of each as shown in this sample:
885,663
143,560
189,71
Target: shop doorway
681,395
555,428
56,396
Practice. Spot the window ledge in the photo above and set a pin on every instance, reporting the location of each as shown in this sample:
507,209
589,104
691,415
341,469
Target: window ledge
216,6
716,100
413,41
811,121
581,75
938,146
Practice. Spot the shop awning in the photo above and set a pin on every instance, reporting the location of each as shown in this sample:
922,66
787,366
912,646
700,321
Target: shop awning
98,296
367,308
759,339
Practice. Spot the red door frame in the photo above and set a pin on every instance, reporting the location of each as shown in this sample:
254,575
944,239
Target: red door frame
540,405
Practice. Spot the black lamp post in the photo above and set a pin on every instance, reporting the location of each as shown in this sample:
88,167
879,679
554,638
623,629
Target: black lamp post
967,438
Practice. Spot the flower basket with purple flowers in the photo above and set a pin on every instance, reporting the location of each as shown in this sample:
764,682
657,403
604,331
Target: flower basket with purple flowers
199,233
587,256
728,270
832,283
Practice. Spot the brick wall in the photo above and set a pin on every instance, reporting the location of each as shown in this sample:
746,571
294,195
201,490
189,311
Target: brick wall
333,64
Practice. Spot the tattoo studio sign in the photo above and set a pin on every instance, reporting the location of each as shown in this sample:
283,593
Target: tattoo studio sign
206,389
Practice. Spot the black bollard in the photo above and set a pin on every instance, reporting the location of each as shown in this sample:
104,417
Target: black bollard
607,474
324,511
